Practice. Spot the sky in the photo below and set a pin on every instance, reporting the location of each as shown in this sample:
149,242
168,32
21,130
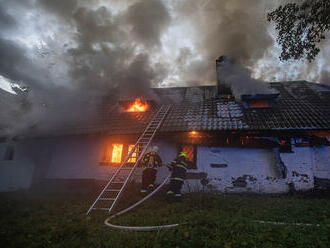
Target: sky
68,49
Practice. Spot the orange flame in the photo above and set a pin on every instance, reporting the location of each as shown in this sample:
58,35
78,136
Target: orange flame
139,105
116,153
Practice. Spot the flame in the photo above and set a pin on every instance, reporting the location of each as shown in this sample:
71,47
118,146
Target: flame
134,155
116,153
139,105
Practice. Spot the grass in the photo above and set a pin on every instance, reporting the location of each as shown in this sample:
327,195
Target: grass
59,220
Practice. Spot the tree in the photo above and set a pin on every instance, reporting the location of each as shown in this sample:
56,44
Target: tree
301,27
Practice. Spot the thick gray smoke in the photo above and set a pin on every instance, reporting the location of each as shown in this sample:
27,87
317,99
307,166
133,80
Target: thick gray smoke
87,53
74,56
240,80
233,28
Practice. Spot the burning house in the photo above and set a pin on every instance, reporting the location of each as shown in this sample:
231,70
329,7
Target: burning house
264,143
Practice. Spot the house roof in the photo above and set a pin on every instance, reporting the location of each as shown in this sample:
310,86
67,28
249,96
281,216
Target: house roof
300,105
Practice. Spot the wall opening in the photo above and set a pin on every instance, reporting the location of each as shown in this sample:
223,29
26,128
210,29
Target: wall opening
191,152
113,154
135,154
9,153
117,150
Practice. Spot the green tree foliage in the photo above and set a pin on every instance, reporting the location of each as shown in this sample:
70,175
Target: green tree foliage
301,27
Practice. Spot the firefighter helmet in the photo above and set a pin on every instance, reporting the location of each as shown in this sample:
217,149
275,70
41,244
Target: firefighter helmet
154,149
183,154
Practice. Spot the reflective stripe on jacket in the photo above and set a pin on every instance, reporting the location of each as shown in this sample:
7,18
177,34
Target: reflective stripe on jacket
151,160
178,168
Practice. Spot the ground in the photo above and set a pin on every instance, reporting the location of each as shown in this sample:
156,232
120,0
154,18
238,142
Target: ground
209,220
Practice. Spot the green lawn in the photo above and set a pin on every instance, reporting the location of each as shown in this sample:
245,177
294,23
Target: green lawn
45,220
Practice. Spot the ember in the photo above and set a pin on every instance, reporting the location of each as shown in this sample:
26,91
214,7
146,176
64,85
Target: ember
139,105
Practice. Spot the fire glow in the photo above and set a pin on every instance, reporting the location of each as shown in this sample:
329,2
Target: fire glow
139,105
116,153
195,134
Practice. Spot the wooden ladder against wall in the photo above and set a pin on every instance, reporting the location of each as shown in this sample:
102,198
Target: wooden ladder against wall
111,193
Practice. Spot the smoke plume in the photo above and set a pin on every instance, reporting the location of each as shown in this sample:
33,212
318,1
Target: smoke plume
82,55
74,55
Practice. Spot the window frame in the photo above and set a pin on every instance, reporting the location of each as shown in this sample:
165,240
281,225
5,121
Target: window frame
108,148
126,153
194,162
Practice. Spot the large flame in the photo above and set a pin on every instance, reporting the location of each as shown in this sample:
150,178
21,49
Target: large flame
139,105
116,153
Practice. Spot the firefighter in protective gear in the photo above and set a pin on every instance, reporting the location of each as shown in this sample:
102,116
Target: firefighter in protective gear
178,167
150,162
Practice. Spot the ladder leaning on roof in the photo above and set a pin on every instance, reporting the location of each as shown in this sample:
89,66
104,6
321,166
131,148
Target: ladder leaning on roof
117,184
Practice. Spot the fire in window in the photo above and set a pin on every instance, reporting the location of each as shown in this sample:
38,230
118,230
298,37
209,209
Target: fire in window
134,154
117,150
189,150
112,153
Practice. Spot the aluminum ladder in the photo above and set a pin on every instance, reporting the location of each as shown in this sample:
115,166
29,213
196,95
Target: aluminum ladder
113,190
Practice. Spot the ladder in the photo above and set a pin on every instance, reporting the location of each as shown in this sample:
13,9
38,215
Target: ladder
113,190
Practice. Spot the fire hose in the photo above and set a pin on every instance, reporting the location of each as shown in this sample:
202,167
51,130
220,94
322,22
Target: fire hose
162,227
139,228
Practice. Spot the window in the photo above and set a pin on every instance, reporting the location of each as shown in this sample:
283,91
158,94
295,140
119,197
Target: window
190,150
113,154
9,153
262,103
134,155
116,154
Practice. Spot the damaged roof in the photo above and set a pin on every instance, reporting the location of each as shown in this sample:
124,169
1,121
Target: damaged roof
300,105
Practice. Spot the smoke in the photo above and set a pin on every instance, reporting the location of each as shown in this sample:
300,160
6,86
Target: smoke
147,20
230,27
240,80
325,77
78,59
74,55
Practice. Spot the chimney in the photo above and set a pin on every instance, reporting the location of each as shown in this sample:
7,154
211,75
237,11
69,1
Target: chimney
224,90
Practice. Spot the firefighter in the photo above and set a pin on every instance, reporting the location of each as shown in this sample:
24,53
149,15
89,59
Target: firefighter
178,167
150,162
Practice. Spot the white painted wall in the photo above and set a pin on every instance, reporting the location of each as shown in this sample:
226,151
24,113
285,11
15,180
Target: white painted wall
75,157
258,168
300,167
322,162
78,157
254,166
15,175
